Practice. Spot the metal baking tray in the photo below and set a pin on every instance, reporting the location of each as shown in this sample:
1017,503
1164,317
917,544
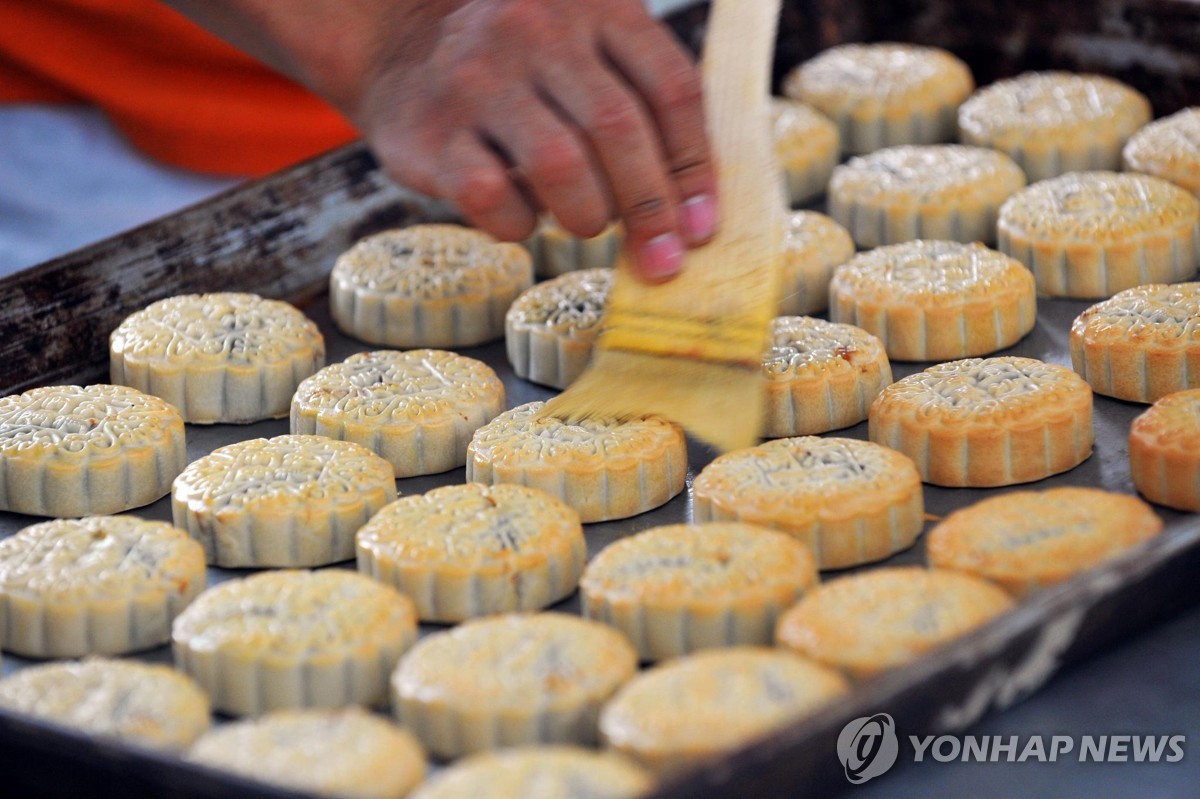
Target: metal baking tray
279,237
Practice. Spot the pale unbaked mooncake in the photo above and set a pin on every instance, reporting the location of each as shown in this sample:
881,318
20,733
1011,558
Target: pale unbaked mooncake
345,752
813,246
417,409
681,588
1164,451
510,680
884,94
76,451
98,585
1168,148
883,618
603,469
849,501
987,422
283,501
1054,122
821,376
943,191
292,639
806,146
1091,234
222,357
139,704
1024,540
463,551
936,300
680,713
549,330
427,286
1142,344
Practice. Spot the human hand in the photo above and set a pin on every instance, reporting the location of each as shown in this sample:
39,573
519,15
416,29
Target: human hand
589,110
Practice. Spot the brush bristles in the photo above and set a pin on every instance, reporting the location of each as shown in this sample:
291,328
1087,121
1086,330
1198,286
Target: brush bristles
721,404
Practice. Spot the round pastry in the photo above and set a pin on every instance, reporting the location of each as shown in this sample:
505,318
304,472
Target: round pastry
556,251
1142,344
1169,149
347,753
1092,234
821,376
140,704
813,246
469,550
98,585
676,715
1054,122
1164,451
884,94
221,357
427,286
601,468
806,146
417,409
549,330
283,501
72,451
850,501
681,588
936,300
544,772
510,680
1025,540
987,422
883,618
943,191
291,639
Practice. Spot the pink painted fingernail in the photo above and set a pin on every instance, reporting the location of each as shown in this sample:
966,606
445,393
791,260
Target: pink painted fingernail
661,257
699,218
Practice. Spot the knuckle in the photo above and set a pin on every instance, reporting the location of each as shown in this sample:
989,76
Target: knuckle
556,160
479,192
679,89
613,115
647,211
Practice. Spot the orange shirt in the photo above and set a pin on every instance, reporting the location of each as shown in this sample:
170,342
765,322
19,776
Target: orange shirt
178,93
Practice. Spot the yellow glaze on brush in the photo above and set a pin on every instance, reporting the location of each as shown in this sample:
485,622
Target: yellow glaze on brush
691,349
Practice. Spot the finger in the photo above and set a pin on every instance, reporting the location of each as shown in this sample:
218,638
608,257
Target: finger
669,84
476,180
623,136
554,160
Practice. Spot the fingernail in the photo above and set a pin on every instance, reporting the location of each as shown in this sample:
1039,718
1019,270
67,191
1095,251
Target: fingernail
662,257
699,217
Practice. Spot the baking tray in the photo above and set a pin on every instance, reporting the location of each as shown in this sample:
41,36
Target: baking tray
279,237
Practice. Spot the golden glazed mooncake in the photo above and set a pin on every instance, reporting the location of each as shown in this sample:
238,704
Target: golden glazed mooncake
1092,234
1142,344
942,191
849,501
1054,122
1164,451
987,422
879,619
1024,540
884,94
813,246
821,376
936,300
